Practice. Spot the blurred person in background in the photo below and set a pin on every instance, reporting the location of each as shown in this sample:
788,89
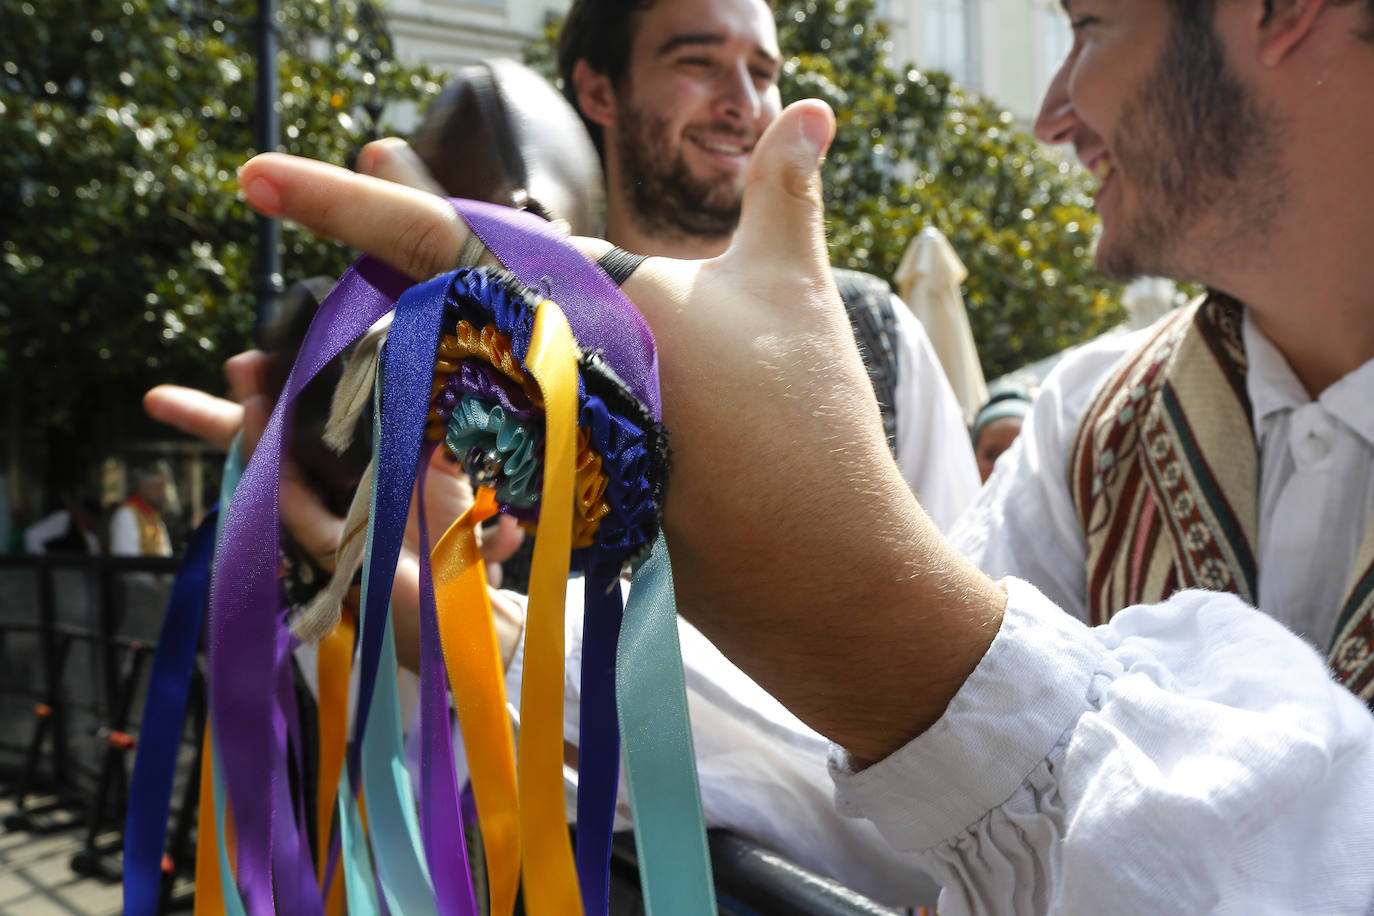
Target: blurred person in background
136,527
71,528
997,424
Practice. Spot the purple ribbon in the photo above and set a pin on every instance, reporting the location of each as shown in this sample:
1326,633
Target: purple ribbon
597,311
441,824
246,613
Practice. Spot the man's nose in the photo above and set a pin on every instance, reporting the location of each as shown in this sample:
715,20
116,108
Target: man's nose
739,98
1057,119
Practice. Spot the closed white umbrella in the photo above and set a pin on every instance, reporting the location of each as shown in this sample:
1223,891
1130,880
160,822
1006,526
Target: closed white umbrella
928,279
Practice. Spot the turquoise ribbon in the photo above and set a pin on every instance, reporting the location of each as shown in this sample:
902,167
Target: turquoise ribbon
360,881
660,765
229,891
393,829
481,424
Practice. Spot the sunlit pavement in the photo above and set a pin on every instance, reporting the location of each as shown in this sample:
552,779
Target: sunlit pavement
36,877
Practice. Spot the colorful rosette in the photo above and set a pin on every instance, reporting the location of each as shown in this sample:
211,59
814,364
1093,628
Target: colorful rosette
488,411
541,381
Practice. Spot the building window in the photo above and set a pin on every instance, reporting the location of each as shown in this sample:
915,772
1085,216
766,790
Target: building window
1053,41
948,39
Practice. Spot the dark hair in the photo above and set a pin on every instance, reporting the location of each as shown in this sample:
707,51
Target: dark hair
1199,12
599,32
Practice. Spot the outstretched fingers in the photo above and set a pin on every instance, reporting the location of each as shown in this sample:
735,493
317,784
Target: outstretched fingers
414,231
211,419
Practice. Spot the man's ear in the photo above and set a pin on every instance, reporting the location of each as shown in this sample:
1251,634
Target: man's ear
1284,26
595,94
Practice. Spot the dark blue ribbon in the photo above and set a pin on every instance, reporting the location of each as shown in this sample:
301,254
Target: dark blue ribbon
598,750
164,716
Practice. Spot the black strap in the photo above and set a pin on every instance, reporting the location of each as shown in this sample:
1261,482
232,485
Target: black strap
619,264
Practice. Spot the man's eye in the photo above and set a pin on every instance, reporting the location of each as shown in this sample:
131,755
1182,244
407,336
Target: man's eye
1083,22
698,62
765,76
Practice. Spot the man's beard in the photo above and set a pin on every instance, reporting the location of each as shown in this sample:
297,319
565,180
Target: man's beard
1194,142
669,201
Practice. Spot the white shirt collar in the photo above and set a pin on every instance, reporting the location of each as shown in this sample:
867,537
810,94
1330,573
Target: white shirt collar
1274,388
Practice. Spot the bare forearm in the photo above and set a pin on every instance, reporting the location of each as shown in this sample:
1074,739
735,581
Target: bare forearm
866,639
848,605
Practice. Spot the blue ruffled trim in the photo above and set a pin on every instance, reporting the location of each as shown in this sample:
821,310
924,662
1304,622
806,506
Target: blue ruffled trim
484,296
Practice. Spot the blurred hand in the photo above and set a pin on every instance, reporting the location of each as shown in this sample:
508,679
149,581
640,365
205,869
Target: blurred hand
318,531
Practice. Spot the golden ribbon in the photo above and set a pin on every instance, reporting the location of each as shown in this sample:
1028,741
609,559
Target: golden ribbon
550,877
209,896
472,659
334,664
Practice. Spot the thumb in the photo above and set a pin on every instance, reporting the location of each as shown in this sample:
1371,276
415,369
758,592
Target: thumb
782,218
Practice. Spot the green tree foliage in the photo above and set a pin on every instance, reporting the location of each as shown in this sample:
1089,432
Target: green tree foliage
912,150
127,256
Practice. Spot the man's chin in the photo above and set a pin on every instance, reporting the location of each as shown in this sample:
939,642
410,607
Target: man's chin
1123,259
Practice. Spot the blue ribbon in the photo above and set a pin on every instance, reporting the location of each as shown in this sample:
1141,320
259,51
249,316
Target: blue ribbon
407,365
395,835
164,717
598,749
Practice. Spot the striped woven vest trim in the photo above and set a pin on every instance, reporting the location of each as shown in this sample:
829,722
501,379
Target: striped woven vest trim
1165,478
868,300
1164,467
1352,650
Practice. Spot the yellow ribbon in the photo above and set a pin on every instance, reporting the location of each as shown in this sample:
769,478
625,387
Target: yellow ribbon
334,664
550,877
472,658
209,899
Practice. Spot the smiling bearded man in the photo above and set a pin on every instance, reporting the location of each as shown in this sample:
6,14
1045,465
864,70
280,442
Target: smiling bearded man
668,199
1193,140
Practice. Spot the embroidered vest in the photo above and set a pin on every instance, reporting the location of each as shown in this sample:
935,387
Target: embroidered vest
1165,478
151,540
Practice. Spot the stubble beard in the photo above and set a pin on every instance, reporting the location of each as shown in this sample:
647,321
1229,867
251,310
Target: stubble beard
668,200
1199,147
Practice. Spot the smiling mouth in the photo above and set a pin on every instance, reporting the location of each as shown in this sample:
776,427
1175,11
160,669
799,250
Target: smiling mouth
723,147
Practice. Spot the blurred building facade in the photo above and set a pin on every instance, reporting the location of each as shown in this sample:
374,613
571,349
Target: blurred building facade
1005,49
982,43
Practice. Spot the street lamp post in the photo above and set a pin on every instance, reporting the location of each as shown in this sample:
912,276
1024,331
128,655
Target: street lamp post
267,279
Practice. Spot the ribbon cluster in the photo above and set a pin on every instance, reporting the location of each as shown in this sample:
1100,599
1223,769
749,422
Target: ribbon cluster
550,401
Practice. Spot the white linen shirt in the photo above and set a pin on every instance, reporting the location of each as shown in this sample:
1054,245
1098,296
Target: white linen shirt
933,448
1189,757
1316,499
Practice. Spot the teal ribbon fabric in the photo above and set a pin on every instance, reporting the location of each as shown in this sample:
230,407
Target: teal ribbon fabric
476,423
229,892
660,766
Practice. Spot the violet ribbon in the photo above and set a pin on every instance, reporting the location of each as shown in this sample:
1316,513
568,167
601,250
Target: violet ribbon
245,603
541,258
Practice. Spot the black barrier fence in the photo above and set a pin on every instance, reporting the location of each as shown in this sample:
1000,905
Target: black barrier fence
77,635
